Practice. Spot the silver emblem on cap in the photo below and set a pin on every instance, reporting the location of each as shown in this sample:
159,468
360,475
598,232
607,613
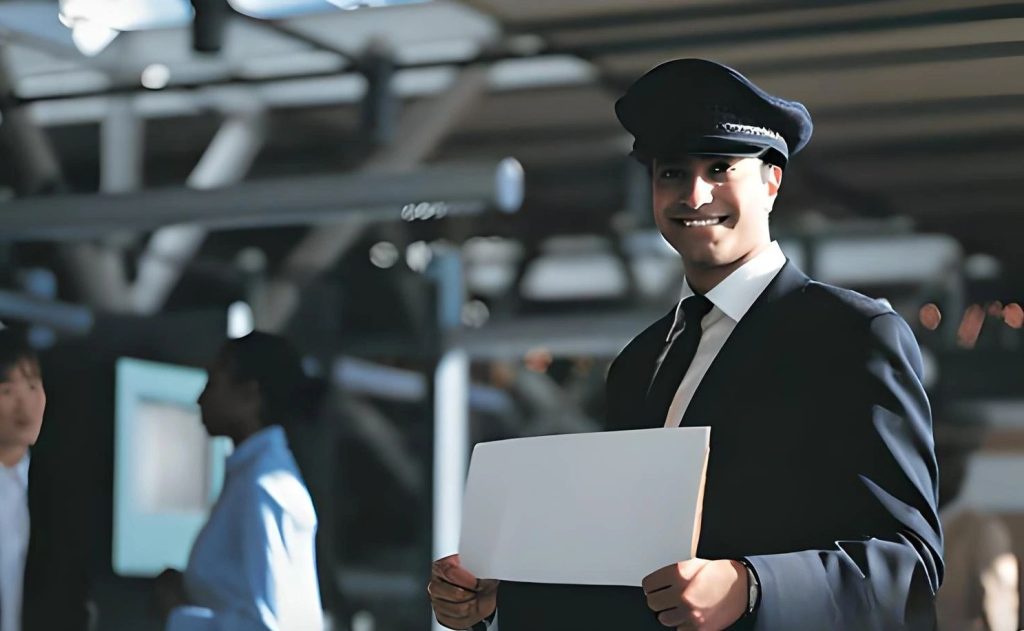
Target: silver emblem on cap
753,130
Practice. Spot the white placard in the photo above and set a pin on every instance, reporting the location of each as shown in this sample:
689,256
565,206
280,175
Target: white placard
604,508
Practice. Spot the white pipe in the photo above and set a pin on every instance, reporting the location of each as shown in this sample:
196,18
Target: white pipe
451,448
226,161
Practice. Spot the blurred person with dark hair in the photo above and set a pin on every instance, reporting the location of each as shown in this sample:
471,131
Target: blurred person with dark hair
981,588
820,499
43,574
253,565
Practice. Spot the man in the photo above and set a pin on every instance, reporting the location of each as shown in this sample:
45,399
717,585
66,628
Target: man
42,571
819,506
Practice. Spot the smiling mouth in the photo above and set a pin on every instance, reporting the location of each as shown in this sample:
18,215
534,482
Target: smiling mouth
701,222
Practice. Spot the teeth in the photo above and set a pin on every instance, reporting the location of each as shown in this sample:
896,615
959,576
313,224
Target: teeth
691,223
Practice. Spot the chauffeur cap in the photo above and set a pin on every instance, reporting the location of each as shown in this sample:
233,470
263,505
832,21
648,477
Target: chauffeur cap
699,107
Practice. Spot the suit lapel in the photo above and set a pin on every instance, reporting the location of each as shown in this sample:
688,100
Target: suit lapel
648,352
741,344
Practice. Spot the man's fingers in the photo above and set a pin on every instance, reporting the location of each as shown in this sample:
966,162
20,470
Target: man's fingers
456,615
456,595
446,613
486,585
449,570
664,600
454,610
440,590
453,622
659,580
676,618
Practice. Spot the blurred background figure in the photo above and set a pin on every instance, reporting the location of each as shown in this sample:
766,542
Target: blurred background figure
253,566
981,587
43,579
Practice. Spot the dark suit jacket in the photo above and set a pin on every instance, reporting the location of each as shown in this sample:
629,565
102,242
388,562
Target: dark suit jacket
821,472
56,566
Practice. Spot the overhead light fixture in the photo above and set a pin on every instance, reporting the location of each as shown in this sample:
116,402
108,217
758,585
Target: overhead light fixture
96,23
274,9
90,37
155,77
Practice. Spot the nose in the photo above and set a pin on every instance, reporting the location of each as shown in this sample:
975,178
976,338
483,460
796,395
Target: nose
699,193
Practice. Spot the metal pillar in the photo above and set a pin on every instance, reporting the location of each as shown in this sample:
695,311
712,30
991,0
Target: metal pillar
36,169
122,147
380,103
97,271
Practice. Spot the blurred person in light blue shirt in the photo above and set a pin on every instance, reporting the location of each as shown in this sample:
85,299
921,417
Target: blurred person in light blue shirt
253,565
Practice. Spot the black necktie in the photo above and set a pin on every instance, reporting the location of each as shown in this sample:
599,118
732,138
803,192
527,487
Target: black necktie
677,361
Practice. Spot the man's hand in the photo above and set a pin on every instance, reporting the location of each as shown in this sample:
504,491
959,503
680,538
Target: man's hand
460,599
698,595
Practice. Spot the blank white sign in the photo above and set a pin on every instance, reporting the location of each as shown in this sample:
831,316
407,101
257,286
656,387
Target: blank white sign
604,508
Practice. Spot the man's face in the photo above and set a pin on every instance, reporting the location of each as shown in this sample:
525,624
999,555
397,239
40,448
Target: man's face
225,403
714,210
22,403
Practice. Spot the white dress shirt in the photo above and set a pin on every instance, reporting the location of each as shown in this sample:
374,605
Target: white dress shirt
732,298
253,565
14,534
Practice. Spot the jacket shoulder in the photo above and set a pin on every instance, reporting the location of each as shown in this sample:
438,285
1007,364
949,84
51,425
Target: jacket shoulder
844,303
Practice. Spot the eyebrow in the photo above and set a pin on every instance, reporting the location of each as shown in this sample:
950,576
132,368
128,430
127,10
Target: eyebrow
25,367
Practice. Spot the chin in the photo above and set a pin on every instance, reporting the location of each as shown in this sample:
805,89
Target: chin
705,256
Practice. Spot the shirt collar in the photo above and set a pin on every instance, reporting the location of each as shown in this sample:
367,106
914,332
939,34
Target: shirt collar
268,439
738,291
20,470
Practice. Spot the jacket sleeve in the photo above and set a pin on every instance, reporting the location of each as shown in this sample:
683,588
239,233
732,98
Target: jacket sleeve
886,576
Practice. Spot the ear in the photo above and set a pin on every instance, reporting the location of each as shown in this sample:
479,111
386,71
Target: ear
250,388
251,391
773,178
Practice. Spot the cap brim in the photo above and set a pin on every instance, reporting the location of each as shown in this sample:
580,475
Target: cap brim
727,146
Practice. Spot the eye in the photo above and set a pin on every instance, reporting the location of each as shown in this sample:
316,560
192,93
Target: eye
720,170
670,174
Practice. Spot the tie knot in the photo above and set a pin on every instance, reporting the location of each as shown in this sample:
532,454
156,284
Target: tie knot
696,307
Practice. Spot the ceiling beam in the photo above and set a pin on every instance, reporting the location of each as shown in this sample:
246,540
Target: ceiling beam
322,198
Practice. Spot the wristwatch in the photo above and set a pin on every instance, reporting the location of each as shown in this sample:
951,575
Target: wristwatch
753,588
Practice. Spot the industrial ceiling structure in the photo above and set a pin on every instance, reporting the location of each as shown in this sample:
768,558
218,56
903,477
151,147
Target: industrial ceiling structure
916,106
